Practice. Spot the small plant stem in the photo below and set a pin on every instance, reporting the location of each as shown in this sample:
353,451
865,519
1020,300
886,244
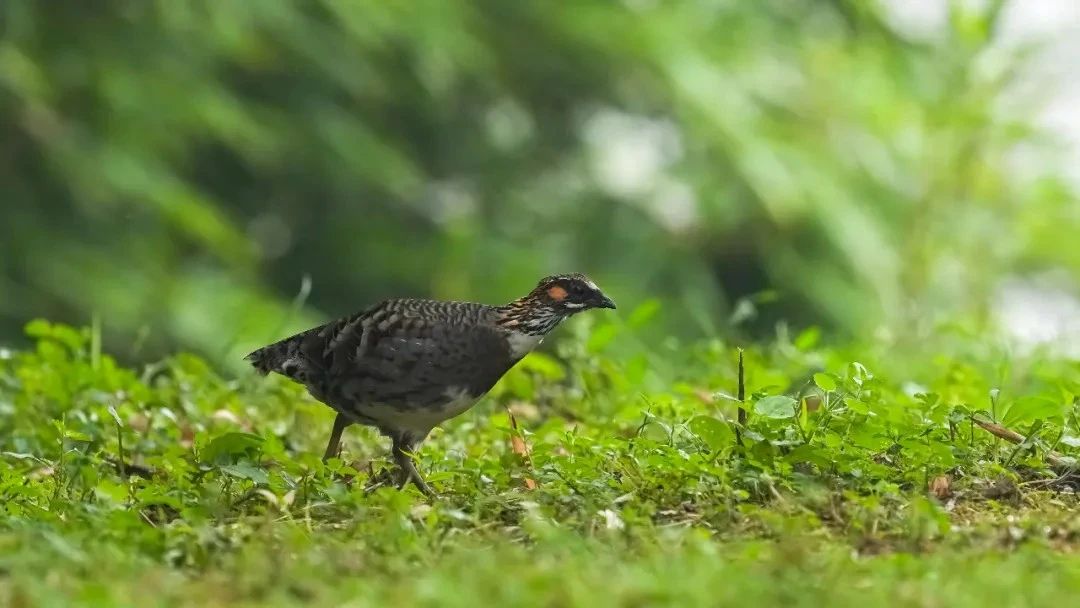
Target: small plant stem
741,395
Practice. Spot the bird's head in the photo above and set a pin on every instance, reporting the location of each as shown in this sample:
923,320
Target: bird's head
553,299
569,294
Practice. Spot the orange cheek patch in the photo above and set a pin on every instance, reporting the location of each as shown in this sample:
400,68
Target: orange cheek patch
557,293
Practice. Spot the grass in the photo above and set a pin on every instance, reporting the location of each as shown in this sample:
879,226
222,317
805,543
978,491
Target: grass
592,478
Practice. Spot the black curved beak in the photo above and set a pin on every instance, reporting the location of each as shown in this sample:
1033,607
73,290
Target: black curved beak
603,301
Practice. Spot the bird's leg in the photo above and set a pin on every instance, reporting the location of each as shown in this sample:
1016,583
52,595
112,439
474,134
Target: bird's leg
334,447
403,445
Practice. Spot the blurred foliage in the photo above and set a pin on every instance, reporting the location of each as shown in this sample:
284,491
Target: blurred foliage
179,168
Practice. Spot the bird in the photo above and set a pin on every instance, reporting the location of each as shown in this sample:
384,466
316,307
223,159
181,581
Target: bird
405,365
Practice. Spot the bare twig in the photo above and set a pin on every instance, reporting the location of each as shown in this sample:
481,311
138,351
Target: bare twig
1053,458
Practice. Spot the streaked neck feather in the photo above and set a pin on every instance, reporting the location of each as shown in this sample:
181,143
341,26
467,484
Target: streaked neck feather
527,321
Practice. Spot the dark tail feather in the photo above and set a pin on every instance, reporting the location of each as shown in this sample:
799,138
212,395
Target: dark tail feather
267,359
283,357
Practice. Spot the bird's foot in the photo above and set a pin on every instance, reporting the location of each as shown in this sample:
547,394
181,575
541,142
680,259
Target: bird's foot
407,473
398,478
414,477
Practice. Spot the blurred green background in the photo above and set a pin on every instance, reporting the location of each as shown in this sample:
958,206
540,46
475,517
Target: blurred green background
213,175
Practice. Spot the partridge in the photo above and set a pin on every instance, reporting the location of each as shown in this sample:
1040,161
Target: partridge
404,366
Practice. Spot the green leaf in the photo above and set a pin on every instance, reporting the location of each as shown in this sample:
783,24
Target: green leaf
655,430
38,328
825,382
635,369
857,406
643,313
809,453
77,436
1028,409
808,339
858,373
714,432
776,406
545,365
230,446
517,382
246,471
156,496
601,337
112,491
